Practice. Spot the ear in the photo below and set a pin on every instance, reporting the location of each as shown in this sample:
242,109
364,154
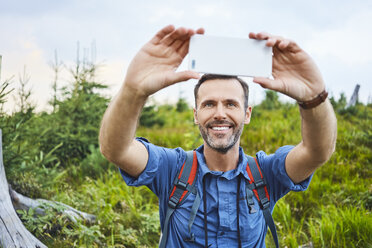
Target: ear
195,117
248,115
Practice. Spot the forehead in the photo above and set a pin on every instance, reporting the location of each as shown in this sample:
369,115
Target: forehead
220,89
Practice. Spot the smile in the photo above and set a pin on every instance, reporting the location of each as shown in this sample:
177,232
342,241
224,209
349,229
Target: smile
220,128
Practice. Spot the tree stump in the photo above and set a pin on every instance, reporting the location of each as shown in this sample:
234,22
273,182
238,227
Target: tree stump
355,97
12,231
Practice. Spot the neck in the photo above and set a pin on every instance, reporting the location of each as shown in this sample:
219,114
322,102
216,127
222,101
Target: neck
221,162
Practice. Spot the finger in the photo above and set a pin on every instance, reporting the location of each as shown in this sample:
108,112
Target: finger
200,31
182,45
181,40
179,44
268,83
252,35
184,49
284,44
274,40
293,47
259,36
181,76
162,33
263,36
172,37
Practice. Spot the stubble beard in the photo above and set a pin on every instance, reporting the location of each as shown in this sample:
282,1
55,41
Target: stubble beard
221,147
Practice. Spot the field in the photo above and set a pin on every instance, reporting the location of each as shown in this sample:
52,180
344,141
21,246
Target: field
54,155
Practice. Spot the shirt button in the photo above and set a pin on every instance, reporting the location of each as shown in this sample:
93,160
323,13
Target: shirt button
221,233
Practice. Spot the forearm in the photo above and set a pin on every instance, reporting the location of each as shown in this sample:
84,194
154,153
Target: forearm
319,132
119,123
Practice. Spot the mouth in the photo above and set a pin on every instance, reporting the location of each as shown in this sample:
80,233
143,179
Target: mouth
220,127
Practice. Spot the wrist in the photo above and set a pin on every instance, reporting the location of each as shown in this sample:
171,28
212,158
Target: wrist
320,98
133,92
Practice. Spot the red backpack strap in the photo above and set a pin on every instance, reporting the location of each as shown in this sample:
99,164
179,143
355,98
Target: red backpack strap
257,178
259,188
183,185
184,182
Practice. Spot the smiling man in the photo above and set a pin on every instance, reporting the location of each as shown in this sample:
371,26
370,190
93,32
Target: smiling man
222,110
221,211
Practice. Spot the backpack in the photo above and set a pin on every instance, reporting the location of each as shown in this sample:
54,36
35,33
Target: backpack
184,184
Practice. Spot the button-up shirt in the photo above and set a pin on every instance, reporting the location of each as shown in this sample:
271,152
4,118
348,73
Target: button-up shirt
221,192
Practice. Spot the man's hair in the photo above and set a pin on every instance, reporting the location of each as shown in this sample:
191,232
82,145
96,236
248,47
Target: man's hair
206,77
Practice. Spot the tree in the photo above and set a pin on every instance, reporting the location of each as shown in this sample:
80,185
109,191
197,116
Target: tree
271,100
24,93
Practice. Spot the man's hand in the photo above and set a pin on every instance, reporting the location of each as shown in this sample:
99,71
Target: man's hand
154,66
152,69
295,74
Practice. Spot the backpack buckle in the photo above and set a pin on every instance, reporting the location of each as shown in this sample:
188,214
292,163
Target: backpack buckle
179,184
190,239
250,202
172,203
259,183
264,203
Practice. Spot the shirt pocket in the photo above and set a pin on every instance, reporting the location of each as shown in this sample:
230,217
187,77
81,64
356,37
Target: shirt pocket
252,222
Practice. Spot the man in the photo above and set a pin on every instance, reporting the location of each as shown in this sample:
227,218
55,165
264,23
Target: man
221,111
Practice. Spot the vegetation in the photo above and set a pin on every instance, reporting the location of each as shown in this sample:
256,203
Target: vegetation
56,156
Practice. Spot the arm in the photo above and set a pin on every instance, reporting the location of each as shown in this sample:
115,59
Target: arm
296,75
152,69
319,133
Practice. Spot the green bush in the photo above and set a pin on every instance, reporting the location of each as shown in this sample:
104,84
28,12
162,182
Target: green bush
56,156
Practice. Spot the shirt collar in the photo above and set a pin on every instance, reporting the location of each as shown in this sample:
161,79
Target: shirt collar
240,169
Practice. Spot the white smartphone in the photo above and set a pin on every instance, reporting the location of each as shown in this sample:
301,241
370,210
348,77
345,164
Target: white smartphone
230,56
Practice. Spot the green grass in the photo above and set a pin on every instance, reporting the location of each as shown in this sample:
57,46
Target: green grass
334,212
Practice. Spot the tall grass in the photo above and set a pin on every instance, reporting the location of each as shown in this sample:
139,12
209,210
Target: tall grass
334,212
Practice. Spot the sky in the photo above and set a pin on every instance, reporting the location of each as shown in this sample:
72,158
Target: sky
337,35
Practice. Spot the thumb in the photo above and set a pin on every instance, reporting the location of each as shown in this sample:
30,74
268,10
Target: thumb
268,83
181,76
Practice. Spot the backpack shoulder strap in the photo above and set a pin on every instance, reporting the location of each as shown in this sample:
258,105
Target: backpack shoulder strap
183,185
259,187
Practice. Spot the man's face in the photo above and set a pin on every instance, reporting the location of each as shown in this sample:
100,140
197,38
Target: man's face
220,113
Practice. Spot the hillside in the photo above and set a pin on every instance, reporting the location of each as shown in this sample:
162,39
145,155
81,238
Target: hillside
56,156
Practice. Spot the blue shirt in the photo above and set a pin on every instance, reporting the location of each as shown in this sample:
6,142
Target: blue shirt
221,189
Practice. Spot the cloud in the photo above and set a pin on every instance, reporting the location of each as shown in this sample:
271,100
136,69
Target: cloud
112,74
338,40
213,9
350,43
28,56
165,12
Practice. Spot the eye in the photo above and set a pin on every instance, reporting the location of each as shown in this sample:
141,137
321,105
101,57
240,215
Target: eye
208,105
231,104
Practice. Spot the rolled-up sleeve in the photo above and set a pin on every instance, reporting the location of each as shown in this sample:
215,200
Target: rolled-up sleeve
276,175
161,168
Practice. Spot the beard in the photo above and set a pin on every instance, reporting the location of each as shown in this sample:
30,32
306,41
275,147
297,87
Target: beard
219,142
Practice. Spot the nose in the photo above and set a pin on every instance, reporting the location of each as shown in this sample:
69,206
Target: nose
220,113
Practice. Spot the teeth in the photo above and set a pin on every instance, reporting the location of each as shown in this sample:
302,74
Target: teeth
220,128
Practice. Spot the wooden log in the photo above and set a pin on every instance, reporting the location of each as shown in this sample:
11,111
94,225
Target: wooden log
12,232
21,202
